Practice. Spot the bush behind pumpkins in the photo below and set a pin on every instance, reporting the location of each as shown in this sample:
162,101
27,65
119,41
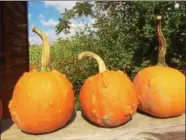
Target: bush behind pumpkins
116,56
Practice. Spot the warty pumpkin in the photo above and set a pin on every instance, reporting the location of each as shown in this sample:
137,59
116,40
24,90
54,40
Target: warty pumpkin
107,99
160,88
42,101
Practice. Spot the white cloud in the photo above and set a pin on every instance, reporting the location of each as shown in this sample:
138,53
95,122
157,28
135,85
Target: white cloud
75,25
35,39
49,22
91,20
60,5
177,5
41,16
29,16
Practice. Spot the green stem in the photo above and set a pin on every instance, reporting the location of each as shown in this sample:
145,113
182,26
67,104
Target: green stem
162,43
99,60
45,59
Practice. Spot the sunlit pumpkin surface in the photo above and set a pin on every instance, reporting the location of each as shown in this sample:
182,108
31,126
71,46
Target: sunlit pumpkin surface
42,101
109,98
161,91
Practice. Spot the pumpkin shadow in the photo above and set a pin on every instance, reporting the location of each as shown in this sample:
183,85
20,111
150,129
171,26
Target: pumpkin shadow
149,115
91,123
63,127
5,126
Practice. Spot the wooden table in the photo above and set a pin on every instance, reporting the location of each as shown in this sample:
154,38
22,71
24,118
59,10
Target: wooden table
141,127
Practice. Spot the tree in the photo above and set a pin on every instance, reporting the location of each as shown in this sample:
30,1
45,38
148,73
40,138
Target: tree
126,31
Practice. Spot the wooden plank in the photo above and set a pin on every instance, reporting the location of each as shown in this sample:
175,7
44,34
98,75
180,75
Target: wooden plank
14,20
8,89
12,60
1,78
19,30
14,71
141,127
16,62
10,77
8,54
16,35
2,63
11,6
20,7
27,34
5,102
13,29
16,41
1,28
15,47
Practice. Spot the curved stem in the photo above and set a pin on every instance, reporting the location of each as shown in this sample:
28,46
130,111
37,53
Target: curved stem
101,63
162,43
45,60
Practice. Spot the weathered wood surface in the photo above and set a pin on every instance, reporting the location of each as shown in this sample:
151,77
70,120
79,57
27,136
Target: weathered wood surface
14,53
141,127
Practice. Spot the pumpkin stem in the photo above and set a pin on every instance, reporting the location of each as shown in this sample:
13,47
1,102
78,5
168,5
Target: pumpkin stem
100,61
162,43
45,59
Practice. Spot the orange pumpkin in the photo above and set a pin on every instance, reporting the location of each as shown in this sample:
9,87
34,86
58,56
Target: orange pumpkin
107,99
161,89
42,101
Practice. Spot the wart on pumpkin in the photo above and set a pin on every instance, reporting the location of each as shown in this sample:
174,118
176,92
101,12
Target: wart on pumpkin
107,99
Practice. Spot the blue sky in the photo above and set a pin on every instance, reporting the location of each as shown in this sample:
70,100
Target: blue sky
44,15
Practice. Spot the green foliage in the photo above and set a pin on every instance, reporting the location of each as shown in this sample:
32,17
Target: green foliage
127,30
125,39
80,9
35,56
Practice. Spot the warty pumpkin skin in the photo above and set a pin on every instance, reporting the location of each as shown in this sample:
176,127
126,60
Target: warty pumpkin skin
108,99
161,91
42,101
160,88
